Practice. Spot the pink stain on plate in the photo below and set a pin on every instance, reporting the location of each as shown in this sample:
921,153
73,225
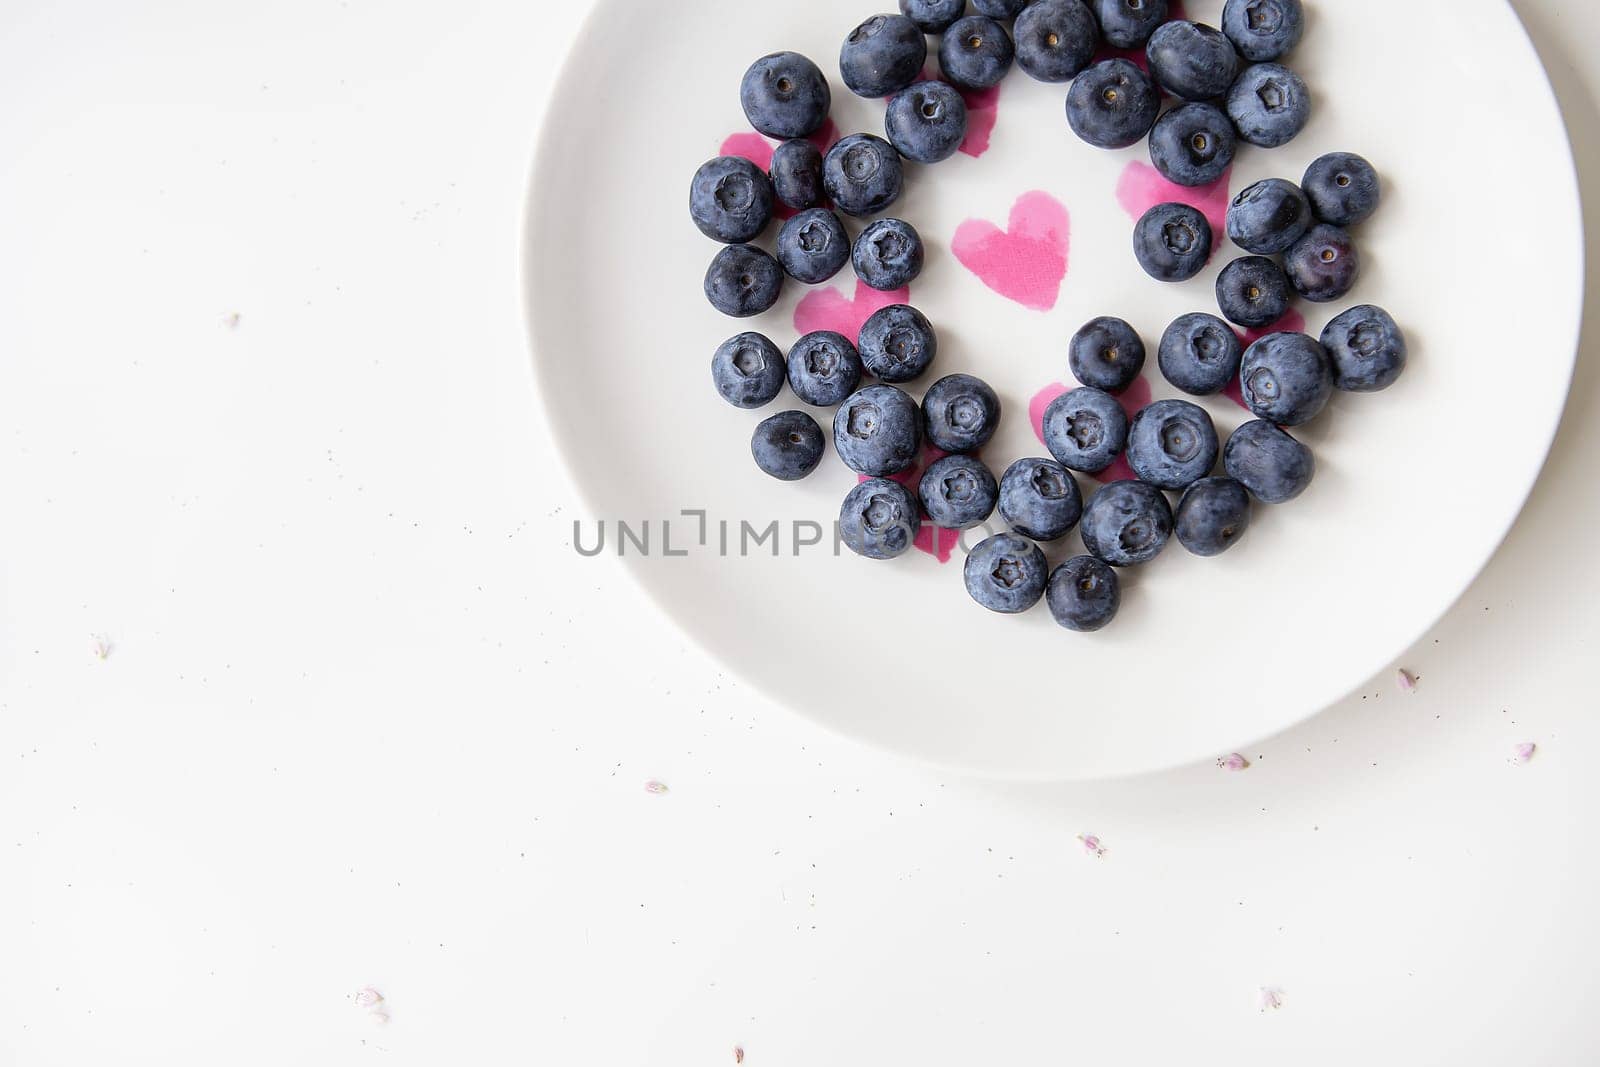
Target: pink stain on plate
1136,55
758,150
829,309
1142,187
1292,322
1133,400
1025,263
983,109
936,542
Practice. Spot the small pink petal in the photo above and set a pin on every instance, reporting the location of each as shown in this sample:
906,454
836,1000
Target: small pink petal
738,1054
378,1018
1525,751
1271,999
653,786
1091,845
1234,762
367,997
1406,681
100,647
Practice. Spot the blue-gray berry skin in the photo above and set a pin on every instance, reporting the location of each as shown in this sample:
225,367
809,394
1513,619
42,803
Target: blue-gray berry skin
1106,353
960,413
1040,499
1172,242
1127,523
1212,516
1192,60
1273,466
1263,30
748,370
785,95
1085,429
1267,218
743,281
882,56
1324,265
862,174
933,16
1113,104
1003,9
1193,144
1343,188
1172,444
1269,105
897,344
878,431
813,246
975,53
1286,378
788,446
1199,354
958,492
797,174
879,519
1129,23
730,199
1253,291
1367,348
1084,594
1055,39
888,255
1006,574
927,122
824,368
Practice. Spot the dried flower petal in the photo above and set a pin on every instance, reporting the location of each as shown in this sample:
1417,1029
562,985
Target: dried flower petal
1234,762
367,997
231,320
1406,681
1091,845
738,1054
653,786
378,1018
1271,998
1525,751
100,646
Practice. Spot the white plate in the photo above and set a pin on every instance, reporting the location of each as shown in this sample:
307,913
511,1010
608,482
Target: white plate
1477,251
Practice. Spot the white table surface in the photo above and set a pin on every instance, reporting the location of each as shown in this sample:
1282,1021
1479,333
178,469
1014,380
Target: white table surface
271,433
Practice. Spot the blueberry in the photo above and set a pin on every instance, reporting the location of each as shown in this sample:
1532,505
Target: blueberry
1272,465
879,519
1085,429
1367,348
933,16
1056,39
785,95
1199,354
877,431
1040,499
1253,291
743,281
888,255
1286,378
960,413
897,343
1172,242
957,492
1193,144
1269,217
1269,105
748,370
824,368
1172,444
1213,514
1343,188
975,53
1127,523
862,174
927,122
1003,9
1107,354
1324,264
1263,30
1006,573
1113,104
788,446
730,199
797,174
1084,594
1192,60
1129,23
882,56
813,245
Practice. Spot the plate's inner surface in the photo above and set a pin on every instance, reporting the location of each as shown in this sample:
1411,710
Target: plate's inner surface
1415,486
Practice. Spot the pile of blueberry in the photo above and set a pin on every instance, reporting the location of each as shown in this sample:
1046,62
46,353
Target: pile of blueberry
1228,88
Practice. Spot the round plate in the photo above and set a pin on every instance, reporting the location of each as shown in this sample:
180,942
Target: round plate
1477,251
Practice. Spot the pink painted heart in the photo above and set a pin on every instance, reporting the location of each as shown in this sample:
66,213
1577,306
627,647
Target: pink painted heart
1134,399
1025,263
1136,55
935,541
829,309
983,108
1292,322
758,150
1142,187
